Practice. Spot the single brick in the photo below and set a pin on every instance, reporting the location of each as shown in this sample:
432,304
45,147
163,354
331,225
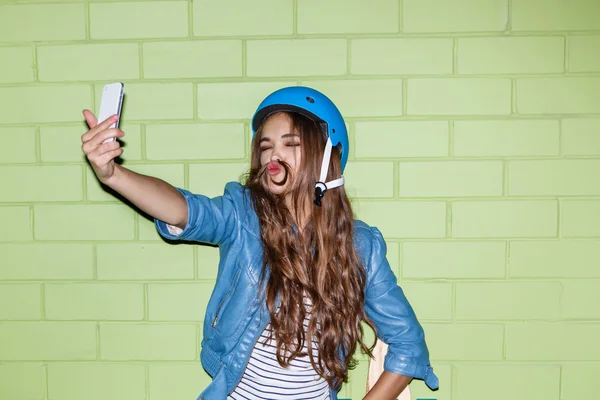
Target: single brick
96,381
426,16
171,173
296,57
511,55
16,224
581,137
453,260
137,341
63,143
474,381
347,16
401,139
507,300
504,218
579,300
20,301
94,301
431,300
580,58
20,67
46,261
48,341
469,341
18,145
360,175
195,141
580,218
458,96
208,262
210,179
548,259
555,15
177,381
558,95
401,56
553,341
193,59
363,98
83,222
171,302
404,219
450,178
148,101
23,381
578,380
506,138
152,19
44,103
233,100
46,183
181,380
554,177
45,22
260,17
144,261
88,62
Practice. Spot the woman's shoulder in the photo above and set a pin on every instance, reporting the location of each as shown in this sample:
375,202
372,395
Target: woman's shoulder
367,239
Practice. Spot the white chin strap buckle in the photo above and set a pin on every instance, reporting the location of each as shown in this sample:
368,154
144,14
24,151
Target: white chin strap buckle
321,186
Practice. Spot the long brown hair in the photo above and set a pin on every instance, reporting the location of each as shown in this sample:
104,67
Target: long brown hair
317,259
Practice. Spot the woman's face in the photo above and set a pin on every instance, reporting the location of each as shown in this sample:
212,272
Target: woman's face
279,142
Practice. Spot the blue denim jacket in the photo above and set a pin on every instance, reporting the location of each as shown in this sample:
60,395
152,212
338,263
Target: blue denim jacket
236,313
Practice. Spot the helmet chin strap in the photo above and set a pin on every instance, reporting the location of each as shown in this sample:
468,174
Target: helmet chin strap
321,186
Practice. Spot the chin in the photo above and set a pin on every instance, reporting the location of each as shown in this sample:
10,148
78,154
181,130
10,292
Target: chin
276,189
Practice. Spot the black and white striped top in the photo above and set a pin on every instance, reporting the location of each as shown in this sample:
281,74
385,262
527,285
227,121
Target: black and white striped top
265,379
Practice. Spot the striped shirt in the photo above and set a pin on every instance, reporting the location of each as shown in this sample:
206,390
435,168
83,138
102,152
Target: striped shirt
265,379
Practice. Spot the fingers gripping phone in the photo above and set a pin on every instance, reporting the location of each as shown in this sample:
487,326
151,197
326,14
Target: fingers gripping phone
112,100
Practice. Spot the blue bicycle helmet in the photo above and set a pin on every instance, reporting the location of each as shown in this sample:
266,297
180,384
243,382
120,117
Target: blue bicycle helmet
318,107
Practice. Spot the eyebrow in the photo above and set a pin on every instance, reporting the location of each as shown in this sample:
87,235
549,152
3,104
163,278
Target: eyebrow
287,135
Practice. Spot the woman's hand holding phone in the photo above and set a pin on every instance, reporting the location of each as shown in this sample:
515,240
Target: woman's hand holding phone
100,152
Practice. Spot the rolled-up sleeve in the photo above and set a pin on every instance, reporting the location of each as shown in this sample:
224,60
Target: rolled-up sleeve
395,320
210,220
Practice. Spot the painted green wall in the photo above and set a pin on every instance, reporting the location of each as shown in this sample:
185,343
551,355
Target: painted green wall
476,132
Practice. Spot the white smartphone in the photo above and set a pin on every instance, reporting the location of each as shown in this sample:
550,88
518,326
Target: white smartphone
112,100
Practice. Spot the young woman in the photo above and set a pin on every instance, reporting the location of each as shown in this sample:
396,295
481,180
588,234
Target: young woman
298,277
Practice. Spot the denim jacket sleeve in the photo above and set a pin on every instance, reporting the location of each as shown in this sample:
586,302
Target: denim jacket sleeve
210,220
394,318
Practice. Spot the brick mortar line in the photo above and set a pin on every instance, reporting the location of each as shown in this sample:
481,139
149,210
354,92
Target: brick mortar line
438,322
295,18
445,362
406,279
339,78
352,119
358,160
315,36
240,79
400,17
401,199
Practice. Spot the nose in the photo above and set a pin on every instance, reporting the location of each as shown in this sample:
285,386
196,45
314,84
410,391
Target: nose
275,155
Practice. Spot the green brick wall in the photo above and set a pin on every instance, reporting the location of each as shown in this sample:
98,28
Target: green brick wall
476,132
